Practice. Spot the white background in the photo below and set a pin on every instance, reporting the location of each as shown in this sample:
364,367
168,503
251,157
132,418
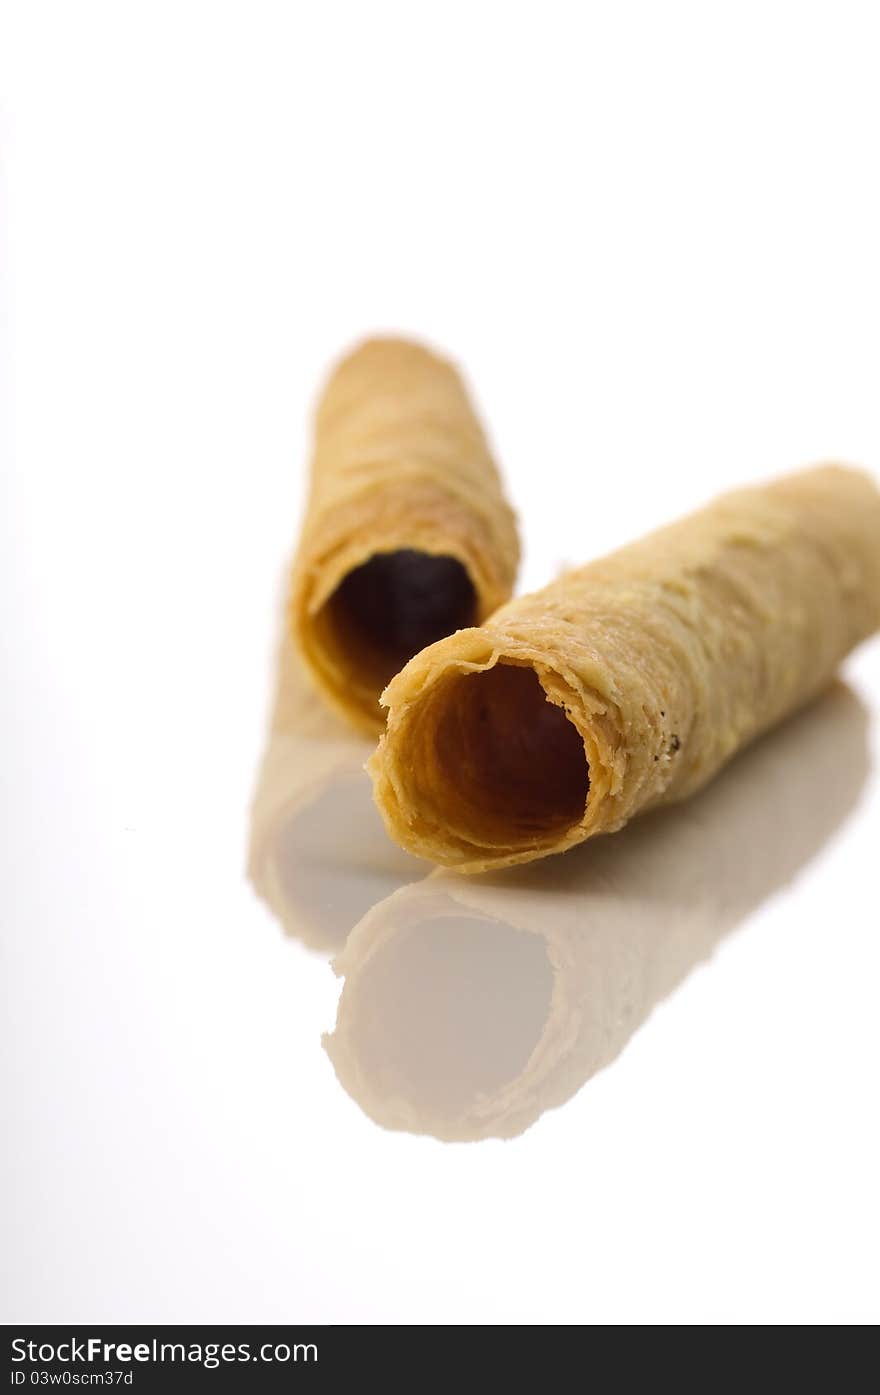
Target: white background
651,234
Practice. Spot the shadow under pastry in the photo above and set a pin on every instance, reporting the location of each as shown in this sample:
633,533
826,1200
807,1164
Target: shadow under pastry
472,1005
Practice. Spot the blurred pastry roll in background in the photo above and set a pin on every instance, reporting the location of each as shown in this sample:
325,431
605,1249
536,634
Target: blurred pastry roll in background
407,535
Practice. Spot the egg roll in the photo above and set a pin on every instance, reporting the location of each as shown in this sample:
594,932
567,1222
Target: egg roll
407,534
629,683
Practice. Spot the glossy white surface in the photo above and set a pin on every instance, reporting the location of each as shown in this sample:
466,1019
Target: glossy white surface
650,235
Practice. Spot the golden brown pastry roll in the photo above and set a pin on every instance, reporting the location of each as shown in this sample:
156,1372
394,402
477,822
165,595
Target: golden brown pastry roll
629,683
407,535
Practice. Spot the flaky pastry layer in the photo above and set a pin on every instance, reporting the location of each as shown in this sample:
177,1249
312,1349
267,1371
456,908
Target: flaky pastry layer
629,683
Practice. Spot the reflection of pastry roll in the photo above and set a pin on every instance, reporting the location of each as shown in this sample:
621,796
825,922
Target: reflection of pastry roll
471,1005
629,683
407,535
310,784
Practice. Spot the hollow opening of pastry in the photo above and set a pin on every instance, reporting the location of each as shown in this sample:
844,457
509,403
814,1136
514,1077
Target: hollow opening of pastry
502,764
449,1011
393,605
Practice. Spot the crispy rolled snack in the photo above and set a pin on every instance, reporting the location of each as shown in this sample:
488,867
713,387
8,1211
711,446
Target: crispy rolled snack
629,683
407,535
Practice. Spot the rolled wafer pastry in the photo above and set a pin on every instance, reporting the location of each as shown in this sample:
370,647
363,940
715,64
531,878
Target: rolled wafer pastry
407,535
629,683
